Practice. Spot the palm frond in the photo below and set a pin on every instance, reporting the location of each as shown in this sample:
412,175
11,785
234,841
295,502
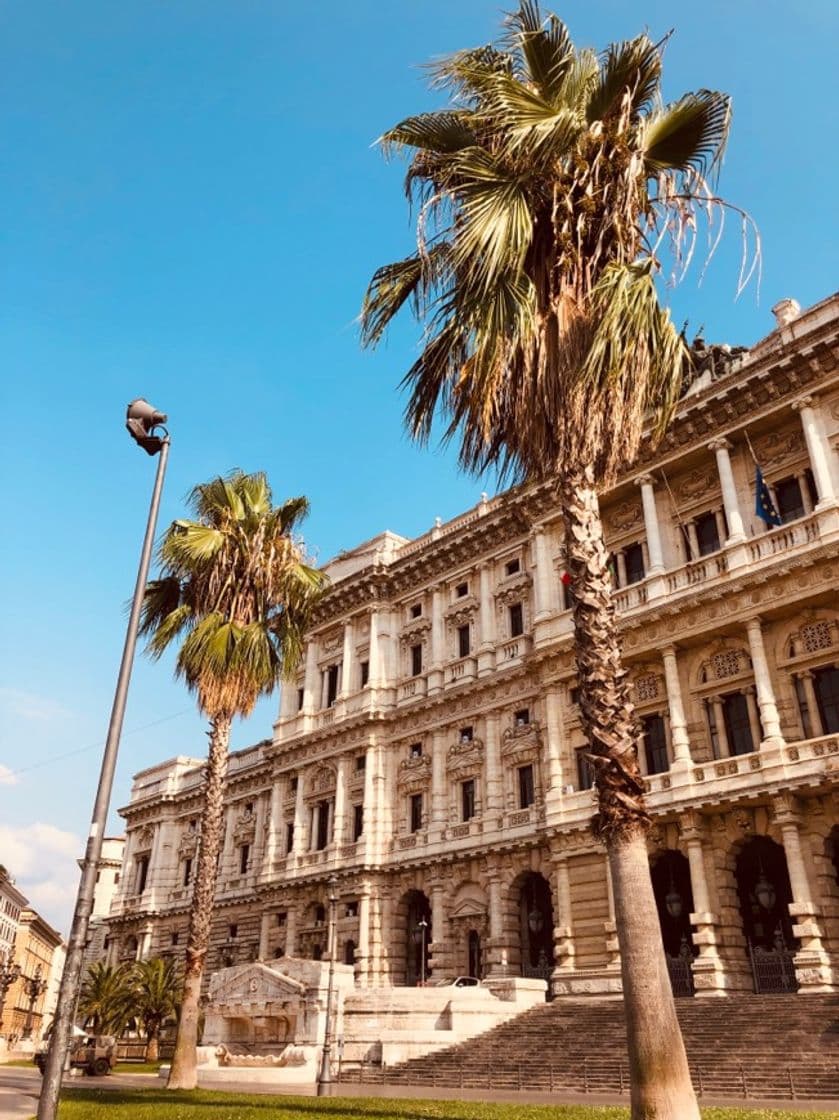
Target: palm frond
394,284
689,134
544,47
444,131
630,68
161,597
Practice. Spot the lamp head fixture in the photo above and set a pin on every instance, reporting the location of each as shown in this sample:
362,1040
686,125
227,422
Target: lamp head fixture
142,420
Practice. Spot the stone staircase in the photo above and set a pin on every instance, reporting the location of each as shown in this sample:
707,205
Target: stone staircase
765,1047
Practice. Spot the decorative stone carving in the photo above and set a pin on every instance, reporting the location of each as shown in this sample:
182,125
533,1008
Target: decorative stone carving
695,485
465,759
462,610
145,838
245,826
415,631
626,516
513,589
323,781
414,774
777,446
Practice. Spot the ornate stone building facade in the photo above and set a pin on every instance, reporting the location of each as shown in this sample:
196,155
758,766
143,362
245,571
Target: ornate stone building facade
431,755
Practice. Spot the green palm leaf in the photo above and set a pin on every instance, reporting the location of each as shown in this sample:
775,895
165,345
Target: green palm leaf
630,68
689,134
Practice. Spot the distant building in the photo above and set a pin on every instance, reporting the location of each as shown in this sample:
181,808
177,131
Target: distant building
107,883
11,904
31,999
431,754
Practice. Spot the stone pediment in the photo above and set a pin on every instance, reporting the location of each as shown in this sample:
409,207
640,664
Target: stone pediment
253,983
469,908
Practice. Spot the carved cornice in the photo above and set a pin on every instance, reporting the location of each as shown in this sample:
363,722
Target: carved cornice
462,610
414,774
415,630
465,759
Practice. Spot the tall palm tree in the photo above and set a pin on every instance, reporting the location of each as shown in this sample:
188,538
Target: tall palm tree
156,998
237,588
105,999
544,191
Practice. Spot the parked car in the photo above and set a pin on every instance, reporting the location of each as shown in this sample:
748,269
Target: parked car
97,1056
458,982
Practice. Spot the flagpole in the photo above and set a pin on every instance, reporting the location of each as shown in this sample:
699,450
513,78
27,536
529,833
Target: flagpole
682,526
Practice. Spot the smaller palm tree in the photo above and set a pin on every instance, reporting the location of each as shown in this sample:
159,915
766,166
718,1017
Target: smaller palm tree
156,997
237,588
106,999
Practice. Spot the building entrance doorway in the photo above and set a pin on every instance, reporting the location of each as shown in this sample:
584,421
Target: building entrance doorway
536,926
476,966
674,900
764,891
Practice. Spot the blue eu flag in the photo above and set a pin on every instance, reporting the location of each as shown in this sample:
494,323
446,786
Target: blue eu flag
764,506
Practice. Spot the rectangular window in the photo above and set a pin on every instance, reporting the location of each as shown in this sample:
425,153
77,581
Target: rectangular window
351,910
512,566
655,744
735,710
282,918
416,610
322,825
187,872
415,750
466,735
365,673
634,556
516,620
467,799
357,821
416,660
300,699
788,499
707,534
522,717
826,686
461,591
232,931
142,874
360,763
526,792
175,938
331,685
416,812
585,770
463,641
244,856
293,784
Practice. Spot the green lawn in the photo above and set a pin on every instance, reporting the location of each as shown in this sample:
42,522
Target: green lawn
157,1104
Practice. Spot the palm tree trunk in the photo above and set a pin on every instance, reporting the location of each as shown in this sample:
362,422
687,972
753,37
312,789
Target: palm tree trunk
660,1079
184,1072
153,1045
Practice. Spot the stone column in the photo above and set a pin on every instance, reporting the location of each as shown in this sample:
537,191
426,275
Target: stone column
613,948
563,930
555,737
438,785
288,700
311,682
620,560
264,933
290,931
438,638
812,963
273,835
375,655
362,952
494,774
486,649
543,586
678,723
370,834
439,948
806,500
708,973
818,450
298,840
754,717
763,684
693,540
339,818
737,533
719,723
347,663
816,726
645,482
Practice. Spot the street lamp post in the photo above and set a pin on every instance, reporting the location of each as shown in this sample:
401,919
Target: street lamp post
145,426
34,986
422,927
324,1086
8,974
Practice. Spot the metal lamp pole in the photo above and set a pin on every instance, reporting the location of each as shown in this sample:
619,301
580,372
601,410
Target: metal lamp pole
35,986
423,928
143,423
324,1086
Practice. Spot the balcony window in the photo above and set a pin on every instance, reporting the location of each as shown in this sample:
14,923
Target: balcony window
289,837
364,667
300,700
244,857
357,822
463,641
416,812
826,687
232,931
585,770
707,534
331,685
360,763
141,874
654,744
322,825
187,872
416,660
467,799
516,620
526,789
634,557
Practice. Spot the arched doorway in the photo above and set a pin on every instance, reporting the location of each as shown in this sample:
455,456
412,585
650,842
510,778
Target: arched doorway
476,965
416,938
674,899
536,926
764,891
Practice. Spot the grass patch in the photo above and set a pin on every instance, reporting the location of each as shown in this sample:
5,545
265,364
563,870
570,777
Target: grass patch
158,1104
137,1067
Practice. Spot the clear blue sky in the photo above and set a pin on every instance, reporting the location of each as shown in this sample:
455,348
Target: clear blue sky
192,206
